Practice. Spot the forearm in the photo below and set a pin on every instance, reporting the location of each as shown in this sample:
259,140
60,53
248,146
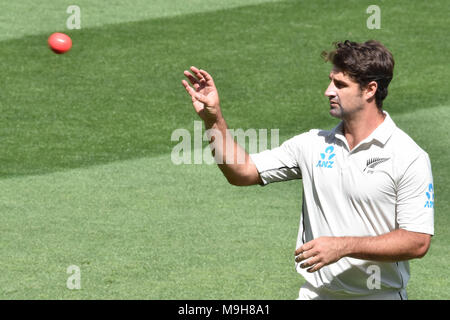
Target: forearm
231,158
394,246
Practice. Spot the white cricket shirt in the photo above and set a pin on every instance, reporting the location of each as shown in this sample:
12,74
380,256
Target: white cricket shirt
383,184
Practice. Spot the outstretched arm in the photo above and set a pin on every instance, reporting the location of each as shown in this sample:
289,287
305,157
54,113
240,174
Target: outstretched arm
231,158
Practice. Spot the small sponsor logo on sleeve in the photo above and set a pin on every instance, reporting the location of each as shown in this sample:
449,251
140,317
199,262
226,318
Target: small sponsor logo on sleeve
430,197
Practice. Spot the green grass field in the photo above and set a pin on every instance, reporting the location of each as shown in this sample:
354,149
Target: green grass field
86,176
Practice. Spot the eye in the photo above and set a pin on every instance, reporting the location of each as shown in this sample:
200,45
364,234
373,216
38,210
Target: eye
339,84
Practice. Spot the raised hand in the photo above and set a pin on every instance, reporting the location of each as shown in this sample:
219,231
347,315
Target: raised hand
203,92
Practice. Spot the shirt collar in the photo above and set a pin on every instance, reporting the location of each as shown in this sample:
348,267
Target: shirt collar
382,133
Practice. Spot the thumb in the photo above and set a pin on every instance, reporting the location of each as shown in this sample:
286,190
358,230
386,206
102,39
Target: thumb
200,97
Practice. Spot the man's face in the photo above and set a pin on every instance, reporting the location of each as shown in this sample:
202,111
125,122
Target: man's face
344,94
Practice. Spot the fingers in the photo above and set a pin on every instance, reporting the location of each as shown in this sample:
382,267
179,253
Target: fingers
194,81
307,246
203,76
198,74
200,97
317,253
313,264
306,252
316,267
188,88
310,262
304,255
199,78
196,102
207,76
195,95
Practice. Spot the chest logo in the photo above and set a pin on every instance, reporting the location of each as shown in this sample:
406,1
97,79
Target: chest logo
430,197
326,158
373,162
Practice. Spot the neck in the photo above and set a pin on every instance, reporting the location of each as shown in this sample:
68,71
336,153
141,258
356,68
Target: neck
360,125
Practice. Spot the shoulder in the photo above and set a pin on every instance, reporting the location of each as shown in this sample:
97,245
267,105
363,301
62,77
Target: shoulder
407,153
313,135
308,143
404,145
309,140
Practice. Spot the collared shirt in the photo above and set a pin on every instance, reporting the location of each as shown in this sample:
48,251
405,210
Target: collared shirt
382,184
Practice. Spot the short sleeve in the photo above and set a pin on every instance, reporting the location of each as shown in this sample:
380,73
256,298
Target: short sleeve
280,163
415,197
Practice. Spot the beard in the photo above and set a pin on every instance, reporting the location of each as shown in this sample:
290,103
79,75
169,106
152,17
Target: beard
352,107
336,110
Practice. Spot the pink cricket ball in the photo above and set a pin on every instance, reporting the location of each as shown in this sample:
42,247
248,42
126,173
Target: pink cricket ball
59,42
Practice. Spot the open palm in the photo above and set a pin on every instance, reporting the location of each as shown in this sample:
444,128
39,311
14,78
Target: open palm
203,92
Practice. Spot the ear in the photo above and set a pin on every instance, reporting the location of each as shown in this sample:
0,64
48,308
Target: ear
371,89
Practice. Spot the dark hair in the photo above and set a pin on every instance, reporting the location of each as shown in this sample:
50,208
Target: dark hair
364,62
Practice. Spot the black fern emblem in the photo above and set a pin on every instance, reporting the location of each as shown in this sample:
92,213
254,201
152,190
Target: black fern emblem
373,162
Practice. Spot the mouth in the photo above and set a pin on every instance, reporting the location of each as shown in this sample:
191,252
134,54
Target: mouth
333,103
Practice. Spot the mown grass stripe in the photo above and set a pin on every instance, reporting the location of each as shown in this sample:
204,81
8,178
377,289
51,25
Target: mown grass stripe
25,17
117,94
147,229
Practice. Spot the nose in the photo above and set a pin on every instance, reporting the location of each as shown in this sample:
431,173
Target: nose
331,90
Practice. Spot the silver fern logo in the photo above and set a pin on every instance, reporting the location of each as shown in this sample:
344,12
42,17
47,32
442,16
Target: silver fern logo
373,162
